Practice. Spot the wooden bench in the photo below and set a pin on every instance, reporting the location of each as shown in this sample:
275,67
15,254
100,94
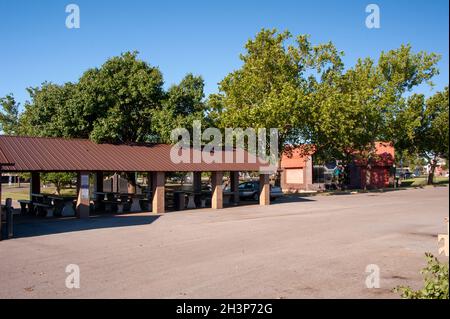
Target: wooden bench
44,209
23,206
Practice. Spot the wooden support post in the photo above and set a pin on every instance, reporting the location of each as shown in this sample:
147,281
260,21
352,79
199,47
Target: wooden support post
264,189
158,192
148,192
98,187
35,183
84,198
197,188
197,182
99,181
149,185
217,190
78,182
234,176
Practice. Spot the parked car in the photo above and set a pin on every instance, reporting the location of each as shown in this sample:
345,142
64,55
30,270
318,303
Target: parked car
409,175
404,173
250,190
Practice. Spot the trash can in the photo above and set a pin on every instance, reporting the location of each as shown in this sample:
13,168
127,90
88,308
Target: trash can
178,200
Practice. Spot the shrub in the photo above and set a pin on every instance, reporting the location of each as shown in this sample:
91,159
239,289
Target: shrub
435,281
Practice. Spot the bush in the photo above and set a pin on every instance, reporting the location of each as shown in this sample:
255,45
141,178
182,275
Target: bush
435,281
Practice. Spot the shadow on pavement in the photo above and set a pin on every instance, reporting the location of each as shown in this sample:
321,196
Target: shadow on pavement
40,227
291,199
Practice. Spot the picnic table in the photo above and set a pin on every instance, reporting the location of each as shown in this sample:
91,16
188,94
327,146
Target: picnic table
106,200
23,206
191,204
131,201
42,205
63,205
124,201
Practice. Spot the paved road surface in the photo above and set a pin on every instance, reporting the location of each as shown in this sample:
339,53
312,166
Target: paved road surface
315,248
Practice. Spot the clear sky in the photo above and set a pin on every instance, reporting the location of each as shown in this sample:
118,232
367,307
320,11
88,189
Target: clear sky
203,37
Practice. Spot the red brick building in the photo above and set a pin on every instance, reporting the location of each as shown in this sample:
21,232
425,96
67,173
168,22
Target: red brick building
297,169
380,174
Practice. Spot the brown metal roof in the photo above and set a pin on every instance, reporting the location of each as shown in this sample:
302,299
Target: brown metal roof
58,154
4,160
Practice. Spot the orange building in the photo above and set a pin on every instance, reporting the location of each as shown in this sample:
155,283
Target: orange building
297,169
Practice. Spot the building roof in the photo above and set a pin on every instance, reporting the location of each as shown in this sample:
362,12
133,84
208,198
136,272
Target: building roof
4,161
384,155
66,155
296,157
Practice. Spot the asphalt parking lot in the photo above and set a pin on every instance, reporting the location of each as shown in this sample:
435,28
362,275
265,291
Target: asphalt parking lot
315,247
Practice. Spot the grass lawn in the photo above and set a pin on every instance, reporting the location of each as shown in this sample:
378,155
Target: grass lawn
422,181
23,192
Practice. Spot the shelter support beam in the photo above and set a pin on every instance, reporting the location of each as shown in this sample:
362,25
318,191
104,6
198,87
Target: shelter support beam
234,179
35,183
197,188
84,198
217,190
158,192
264,189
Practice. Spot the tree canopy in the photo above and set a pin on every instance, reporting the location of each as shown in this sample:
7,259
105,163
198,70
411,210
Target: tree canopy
271,87
122,101
425,128
9,115
349,111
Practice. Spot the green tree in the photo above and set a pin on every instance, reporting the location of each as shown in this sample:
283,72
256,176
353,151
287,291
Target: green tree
113,103
425,128
183,104
349,112
9,115
271,89
44,114
122,96
59,180
122,101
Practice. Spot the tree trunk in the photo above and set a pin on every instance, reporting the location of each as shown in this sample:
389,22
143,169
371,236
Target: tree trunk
431,174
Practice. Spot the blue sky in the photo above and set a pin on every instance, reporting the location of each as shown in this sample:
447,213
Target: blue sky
203,37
